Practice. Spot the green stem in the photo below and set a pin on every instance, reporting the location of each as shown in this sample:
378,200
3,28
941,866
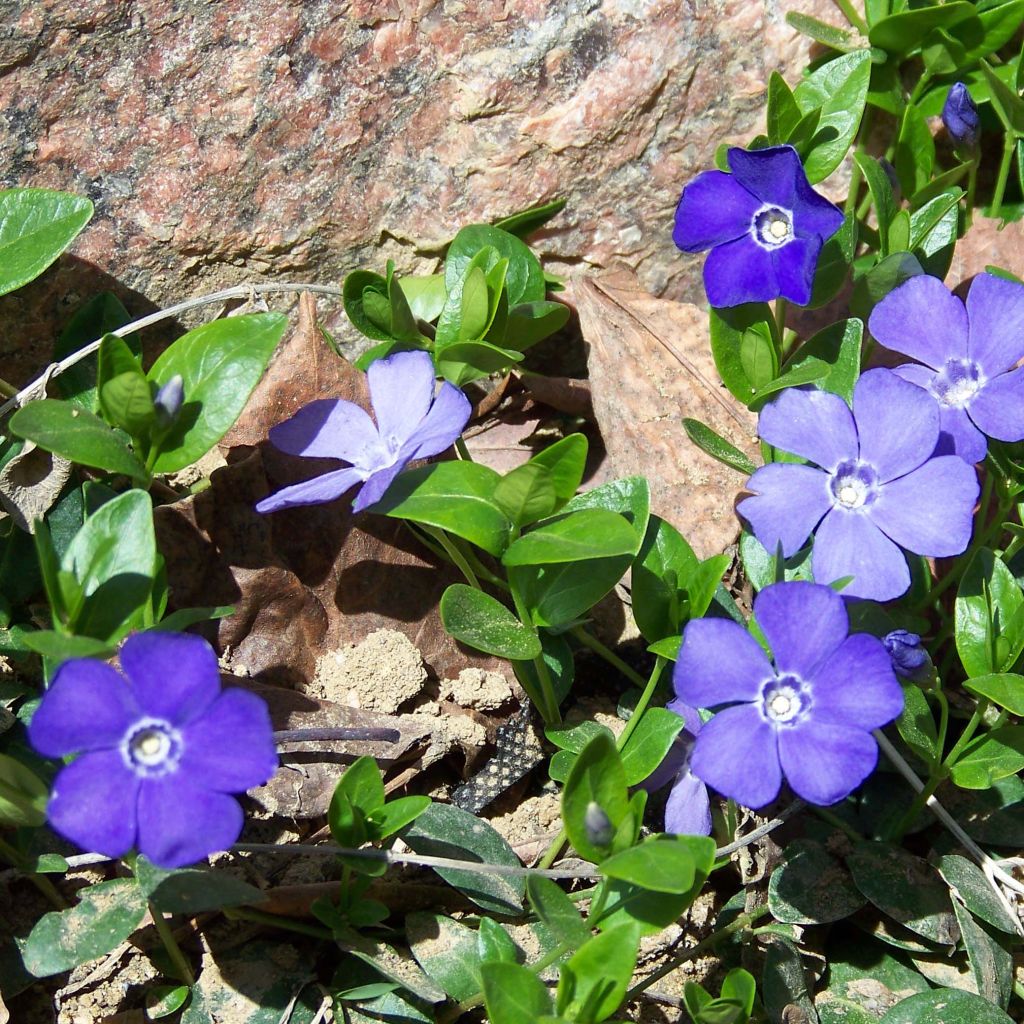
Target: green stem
780,324
836,822
556,847
852,16
178,958
548,704
863,132
276,921
588,640
7,390
641,704
480,569
1004,173
41,882
453,554
462,451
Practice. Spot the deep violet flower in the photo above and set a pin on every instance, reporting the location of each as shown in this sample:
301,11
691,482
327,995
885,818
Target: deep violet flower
874,487
806,714
160,750
960,116
688,810
411,424
763,223
908,655
970,354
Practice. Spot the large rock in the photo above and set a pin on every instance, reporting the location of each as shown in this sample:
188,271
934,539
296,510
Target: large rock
298,139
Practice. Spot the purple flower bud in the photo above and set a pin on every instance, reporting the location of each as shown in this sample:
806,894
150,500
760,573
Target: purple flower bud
960,116
169,398
597,825
909,658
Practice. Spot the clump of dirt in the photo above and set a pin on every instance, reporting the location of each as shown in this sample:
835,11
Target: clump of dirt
379,674
476,688
534,818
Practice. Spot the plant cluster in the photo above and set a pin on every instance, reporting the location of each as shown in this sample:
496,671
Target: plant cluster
877,675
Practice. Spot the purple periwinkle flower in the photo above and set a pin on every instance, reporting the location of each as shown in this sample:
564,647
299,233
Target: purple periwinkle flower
874,487
960,116
908,655
169,398
763,223
806,714
411,424
160,750
688,810
970,355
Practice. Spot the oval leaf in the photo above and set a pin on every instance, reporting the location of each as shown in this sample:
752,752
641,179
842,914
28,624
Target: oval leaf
482,622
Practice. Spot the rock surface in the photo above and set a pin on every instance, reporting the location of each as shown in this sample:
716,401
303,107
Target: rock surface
258,139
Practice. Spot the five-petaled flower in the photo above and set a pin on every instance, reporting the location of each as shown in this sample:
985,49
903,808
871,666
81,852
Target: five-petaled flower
807,713
763,223
874,488
970,355
160,750
411,424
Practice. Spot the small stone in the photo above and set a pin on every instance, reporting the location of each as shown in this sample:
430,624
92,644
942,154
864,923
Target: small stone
476,688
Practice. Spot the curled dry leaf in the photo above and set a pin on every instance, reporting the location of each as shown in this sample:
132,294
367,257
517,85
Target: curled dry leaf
30,484
650,366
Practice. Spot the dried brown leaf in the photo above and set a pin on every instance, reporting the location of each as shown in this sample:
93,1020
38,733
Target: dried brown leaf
30,484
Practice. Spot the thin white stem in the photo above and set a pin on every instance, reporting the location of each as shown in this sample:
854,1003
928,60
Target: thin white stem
997,877
760,832
241,291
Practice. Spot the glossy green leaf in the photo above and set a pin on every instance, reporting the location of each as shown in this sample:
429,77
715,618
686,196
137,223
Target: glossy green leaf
425,295
466,361
972,887
1006,102
759,565
945,1006
594,980
105,915
834,263
588,534
485,624
565,461
660,863
526,494
664,564
839,87
727,327
513,994
1003,688
916,724
596,777
933,232
525,222
525,279
127,403
494,944
717,447
163,1000
36,226
757,355
530,322
821,32
990,757
455,496
783,114
649,743
357,287
836,350
904,32
556,911
987,603
59,646
66,430
23,795
219,363
101,315
882,197
559,593
915,153
393,816
630,497
560,663
991,965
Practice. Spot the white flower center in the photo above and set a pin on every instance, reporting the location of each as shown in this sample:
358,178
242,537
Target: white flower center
957,383
152,747
854,484
785,700
772,227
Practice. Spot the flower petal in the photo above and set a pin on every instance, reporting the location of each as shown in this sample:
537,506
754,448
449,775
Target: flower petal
850,544
377,483
330,428
230,747
688,810
739,271
770,174
803,624
719,662
957,434
856,685
998,408
714,208
736,754
824,762
813,424
795,263
923,319
813,214
996,310
443,424
929,511
788,503
401,390
89,706
315,491
181,823
897,423
688,713
93,803
174,675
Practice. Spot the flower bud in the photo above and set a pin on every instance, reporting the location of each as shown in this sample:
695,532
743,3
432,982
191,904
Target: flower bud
168,400
909,658
960,116
597,825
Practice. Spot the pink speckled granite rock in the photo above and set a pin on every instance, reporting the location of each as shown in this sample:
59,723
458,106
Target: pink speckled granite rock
249,139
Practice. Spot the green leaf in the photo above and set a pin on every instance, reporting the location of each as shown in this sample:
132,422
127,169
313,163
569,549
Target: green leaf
759,565
513,994
973,888
933,232
359,792
915,152
561,665
565,462
945,1005
630,497
840,88
525,279
455,496
990,757
485,624
916,724
650,742
163,1000
757,355
594,981
494,944
662,568
557,594
902,33
67,430
400,315
834,263
660,863
988,601
596,777
396,814
444,830
783,113
810,887
881,279
425,295
739,985
106,914
525,222
1008,105
821,32
1002,688
526,494
465,361
447,952
836,351
717,447
882,196
36,226
220,363
60,647
191,891
357,287
126,403
101,315
556,911
728,327
990,964
530,322
579,536
23,795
